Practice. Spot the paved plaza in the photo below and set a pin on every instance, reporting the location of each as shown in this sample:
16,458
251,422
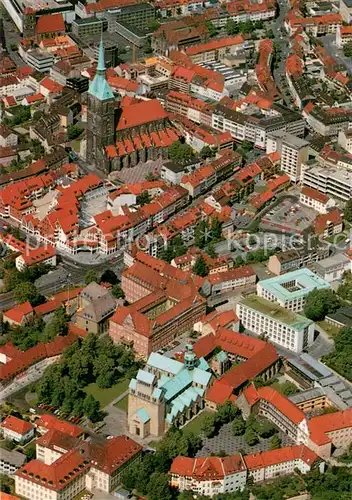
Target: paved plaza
230,444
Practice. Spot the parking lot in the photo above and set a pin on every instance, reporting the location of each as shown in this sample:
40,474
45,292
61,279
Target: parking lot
289,217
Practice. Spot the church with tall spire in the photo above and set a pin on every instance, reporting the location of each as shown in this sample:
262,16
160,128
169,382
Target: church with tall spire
101,115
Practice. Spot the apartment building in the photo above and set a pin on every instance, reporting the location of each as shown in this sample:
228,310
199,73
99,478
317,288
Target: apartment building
209,475
253,128
343,35
332,181
216,50
281,326
327,121
329,224
15,429
293,152
288,260
316,200
291,289
138,15
10,462
345,140
212,475
227,281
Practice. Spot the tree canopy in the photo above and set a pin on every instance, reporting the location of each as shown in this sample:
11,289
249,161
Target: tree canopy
181,152
340,359
321,302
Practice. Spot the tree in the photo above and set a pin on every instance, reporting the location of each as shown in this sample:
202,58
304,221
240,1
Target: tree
143,198
340,359
208,426
227,412
154,25
202,234
36,149
210,250
207,152
348,208
181,152
26,291
57,325
91,407
117,292
347,49
231,27
251,437
319,303
275,442
200,267
213,31
73,131
7,484
91,276
109,276
238,426
288,388
216,229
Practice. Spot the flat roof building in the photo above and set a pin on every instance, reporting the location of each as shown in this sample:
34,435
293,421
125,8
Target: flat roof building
282,327
291,289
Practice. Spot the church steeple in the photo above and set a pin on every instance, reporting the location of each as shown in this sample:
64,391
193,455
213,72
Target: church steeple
99,87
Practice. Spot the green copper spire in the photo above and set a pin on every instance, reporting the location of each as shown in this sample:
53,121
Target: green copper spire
101,58
99,87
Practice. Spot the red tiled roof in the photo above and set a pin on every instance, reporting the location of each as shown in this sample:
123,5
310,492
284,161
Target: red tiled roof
141,112
320,426
232,274
36,255
207,468
314,194
50,422
279,456
9,350
17,313
323,220
51,85
214,45
57,475
16,425
50,23
35,354
281,403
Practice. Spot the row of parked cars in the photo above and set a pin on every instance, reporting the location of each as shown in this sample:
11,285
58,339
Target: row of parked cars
59,413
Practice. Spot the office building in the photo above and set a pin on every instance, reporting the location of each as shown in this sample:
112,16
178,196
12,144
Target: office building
10,462
293,151
40,60
288,260
280,326
88,27
79,84
332,181
137,15
291,289
332,268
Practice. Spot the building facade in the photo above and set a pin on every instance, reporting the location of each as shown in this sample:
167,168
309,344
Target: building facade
280,326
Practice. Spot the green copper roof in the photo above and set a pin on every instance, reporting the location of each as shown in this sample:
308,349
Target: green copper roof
99,87
143,415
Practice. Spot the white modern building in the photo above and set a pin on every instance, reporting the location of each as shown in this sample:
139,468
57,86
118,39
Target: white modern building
291,289
293,151
332,181
280,326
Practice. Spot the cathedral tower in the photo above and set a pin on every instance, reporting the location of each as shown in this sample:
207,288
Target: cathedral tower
100,115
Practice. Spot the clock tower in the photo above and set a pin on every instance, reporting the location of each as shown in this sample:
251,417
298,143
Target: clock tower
101,126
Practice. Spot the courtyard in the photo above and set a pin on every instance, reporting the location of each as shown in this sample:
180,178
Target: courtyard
226,442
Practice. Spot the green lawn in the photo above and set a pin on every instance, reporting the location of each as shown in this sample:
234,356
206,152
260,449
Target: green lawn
105,396
122,404
330,330
194,425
